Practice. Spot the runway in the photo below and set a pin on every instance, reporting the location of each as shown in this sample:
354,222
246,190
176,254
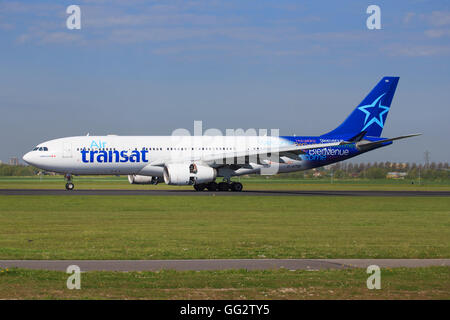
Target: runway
220,264
375,193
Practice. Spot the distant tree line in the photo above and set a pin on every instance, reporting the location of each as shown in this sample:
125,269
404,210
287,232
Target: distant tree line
8,170
377,170
340,170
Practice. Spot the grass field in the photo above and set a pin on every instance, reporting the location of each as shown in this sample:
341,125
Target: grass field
399,283
183,227
250,183
169,227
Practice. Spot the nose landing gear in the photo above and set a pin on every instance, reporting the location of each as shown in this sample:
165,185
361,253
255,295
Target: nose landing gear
69,185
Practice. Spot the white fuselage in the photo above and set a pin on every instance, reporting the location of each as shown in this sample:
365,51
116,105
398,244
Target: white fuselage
146,155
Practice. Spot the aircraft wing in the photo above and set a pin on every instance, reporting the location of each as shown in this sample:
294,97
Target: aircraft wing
289,151
232,157
293,151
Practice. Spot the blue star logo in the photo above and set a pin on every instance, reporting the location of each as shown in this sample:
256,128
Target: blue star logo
376,111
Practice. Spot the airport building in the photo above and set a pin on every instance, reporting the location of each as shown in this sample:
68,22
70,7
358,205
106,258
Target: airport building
14,161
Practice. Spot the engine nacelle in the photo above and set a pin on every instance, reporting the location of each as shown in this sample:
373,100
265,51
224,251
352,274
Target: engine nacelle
182,174
136,179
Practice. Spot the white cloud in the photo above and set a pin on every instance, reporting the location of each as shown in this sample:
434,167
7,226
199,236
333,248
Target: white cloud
409,17
6,26
416,50
435,18
37,9
440,18
60,37
44,37
129,20
437,33
173,27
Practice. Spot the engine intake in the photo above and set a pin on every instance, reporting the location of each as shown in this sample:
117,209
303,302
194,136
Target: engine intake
182,174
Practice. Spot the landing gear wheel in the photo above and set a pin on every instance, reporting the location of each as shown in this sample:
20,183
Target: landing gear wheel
212,186
70,186
236,186
199,187
223,186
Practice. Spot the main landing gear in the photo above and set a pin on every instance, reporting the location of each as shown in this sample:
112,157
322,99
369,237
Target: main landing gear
69,185
221,186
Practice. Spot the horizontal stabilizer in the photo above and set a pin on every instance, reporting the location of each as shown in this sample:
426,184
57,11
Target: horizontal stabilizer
366,143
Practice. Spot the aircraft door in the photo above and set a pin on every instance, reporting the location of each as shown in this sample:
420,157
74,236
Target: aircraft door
67,150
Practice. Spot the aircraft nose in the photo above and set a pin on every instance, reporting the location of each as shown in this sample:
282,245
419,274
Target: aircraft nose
27,158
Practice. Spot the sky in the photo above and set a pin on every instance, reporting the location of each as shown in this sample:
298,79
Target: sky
149,67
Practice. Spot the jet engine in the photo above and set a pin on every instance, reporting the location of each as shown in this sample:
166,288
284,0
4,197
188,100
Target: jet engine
181,174
137,179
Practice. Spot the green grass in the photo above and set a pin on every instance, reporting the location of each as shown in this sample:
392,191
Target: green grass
250,183
159,227
399,283
182,227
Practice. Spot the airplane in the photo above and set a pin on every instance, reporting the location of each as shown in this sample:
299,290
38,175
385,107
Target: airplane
200,160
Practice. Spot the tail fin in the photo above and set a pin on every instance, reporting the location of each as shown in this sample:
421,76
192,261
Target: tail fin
370,115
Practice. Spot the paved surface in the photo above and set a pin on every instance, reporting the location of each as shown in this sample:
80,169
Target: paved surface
221,264
58,192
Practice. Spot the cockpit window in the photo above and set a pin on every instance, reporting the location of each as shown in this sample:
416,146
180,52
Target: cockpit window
40,149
